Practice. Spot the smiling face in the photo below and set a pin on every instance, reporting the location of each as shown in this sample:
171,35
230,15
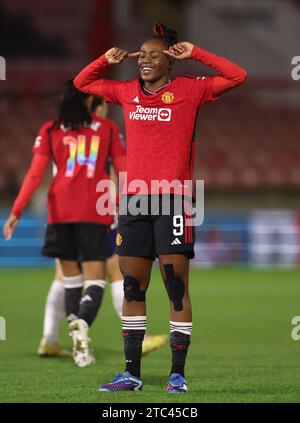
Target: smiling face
153,63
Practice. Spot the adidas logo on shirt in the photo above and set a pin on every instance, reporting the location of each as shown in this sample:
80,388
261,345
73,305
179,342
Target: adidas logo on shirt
136,99
176,242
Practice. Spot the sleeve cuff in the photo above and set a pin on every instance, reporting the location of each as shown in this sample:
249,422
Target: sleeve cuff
103,61
196,53
16,212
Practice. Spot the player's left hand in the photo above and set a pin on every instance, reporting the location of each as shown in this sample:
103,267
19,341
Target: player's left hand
9,226
180,51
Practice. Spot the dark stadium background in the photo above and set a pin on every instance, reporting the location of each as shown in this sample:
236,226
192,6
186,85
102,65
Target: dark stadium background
248,153
248,142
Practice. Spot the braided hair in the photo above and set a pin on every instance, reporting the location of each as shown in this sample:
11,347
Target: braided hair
165,34
73,111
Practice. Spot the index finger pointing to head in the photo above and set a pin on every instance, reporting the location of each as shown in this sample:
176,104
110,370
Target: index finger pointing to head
137,53
169,53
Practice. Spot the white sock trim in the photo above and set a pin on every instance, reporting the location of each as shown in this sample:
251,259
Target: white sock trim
183,327
94,282
134,322
73,281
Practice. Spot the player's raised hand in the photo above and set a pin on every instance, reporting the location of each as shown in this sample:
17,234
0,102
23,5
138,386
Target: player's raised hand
9,226
180,51
116,55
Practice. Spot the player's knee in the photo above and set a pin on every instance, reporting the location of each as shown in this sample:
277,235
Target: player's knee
132,290
70,267
175,287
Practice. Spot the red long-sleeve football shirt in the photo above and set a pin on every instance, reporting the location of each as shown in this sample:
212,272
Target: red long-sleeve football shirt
80,156
159,127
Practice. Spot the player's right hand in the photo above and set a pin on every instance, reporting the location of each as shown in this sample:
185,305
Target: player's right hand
116,55
10,226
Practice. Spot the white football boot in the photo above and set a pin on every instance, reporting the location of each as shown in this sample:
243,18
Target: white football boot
81,343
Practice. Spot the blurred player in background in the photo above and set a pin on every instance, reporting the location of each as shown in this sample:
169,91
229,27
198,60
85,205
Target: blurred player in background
76,234
55,303
160,116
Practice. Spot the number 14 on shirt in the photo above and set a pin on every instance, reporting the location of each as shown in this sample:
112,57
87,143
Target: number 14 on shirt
77,154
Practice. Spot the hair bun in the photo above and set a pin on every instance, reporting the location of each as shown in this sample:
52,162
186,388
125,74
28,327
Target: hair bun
169,34
172,35
160,29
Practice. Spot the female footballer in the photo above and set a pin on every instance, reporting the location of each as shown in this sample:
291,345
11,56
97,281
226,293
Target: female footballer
160,114
76,233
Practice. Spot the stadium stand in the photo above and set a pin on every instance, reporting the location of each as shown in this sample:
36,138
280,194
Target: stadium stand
65,23
247,142
260,156
227,155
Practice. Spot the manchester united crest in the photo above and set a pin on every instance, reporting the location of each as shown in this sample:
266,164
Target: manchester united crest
167,97
118,240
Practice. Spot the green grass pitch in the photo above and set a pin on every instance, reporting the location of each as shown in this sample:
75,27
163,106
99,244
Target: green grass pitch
241,350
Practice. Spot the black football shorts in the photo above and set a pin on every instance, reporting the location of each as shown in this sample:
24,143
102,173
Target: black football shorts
153,234
77,241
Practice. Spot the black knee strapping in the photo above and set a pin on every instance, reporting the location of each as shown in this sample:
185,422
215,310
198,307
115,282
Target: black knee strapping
175,287
132,289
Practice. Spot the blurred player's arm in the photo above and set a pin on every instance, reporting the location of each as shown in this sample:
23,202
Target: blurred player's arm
89,80
117,151
118,156
31,182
